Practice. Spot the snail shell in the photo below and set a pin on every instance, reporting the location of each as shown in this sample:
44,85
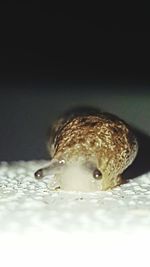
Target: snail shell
100,143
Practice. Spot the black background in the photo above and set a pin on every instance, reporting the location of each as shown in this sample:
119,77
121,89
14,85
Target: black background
79,42
52,58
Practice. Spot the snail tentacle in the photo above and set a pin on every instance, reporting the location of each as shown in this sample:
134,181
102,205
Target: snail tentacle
50,169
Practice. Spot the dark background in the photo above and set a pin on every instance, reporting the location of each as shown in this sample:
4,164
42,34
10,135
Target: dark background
54,58
40,42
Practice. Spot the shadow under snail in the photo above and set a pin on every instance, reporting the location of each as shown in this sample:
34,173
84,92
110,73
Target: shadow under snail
89,151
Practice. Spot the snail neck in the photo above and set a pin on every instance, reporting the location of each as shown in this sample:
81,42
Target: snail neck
75,155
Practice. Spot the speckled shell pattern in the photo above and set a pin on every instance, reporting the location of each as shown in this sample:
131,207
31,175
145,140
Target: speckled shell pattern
104,137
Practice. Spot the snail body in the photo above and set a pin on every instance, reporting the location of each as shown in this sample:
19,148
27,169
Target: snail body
100,144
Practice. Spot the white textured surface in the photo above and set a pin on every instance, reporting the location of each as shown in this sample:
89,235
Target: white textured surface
32,216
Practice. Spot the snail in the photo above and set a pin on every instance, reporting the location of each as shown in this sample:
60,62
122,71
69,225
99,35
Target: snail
89,151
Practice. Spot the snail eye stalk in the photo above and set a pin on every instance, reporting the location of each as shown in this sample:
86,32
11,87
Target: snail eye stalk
51,169
97,174
39,174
